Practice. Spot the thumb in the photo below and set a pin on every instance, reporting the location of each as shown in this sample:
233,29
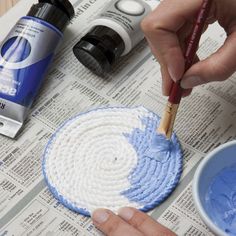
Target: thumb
218,67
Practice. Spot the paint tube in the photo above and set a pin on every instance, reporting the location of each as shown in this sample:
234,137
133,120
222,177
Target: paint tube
25,55
113,34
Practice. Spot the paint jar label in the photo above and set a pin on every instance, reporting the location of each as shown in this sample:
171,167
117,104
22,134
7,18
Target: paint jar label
24,57
128,14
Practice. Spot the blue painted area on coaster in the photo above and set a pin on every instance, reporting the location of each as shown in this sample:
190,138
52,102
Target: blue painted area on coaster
159,164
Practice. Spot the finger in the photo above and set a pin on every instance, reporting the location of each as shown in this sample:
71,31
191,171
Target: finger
186,92
167,82
184,34
168,53
143,222
113,225
218,67
161,28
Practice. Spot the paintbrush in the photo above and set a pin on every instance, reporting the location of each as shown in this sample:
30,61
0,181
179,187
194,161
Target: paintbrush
170,112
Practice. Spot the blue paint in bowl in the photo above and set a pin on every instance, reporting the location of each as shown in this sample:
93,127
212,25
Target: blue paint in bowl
214,189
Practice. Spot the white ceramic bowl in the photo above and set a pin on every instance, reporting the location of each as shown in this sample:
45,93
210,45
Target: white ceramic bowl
220,158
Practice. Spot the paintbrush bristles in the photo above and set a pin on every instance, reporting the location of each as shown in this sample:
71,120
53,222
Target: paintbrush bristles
168,119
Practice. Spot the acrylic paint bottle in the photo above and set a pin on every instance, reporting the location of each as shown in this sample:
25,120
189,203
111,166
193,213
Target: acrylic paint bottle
113,34
25,55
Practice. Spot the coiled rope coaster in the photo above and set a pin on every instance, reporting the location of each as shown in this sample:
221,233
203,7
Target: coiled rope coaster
106,158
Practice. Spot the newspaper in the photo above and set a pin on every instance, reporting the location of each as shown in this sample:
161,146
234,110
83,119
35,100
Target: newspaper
205,120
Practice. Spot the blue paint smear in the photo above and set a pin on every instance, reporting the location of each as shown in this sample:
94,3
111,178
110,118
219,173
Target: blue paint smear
221,200
159,164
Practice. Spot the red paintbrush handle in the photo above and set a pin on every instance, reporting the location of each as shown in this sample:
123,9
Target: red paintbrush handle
192,46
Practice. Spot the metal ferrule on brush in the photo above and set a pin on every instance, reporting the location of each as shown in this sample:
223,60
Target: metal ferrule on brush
168,118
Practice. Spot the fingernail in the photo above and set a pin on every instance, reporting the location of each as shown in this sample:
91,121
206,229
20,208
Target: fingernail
190,82
171,72
126,213
100,216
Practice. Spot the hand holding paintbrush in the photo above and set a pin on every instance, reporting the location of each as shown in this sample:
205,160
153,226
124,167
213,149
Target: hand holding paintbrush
168,119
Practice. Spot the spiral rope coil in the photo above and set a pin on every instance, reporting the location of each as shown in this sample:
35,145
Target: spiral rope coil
96,159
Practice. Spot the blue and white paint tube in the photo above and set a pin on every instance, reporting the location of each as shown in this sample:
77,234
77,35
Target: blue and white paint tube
25,55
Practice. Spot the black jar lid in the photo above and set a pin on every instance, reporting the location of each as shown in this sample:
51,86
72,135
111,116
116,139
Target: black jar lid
99,49
55,12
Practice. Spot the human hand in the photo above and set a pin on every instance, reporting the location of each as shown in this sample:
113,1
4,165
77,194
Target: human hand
129,221
166,30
